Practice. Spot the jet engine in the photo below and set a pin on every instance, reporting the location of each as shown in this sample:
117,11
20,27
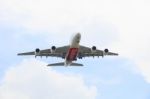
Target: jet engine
106,51
53,49
37,51
93,49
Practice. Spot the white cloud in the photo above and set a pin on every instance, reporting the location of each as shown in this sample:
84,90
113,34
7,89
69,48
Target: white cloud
33,80
133,24
53,16
129,17
144,67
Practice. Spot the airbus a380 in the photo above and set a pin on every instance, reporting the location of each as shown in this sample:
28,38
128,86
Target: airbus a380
70,52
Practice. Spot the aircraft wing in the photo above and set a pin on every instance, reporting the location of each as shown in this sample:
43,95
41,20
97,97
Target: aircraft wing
86,52
59,52
62,51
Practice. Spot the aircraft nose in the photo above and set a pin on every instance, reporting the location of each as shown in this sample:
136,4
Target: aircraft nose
78,35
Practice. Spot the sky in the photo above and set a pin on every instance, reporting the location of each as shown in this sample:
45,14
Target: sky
122,26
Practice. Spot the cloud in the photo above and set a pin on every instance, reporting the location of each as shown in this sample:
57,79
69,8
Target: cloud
53,17
144,66
31,79
133,25
127,22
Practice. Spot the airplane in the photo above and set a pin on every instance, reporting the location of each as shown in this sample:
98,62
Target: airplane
70,52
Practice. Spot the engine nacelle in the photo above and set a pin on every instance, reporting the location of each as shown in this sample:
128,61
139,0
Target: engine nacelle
106,51
93,49
37,51
53,49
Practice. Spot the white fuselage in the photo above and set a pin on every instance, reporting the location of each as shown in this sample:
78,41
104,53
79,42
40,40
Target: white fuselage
73,50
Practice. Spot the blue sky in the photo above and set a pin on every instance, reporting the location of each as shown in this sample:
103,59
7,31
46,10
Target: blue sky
121,26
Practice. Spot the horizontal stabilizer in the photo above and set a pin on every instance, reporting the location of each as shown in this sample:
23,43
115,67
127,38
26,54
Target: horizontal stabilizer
62,64
56,64
76,64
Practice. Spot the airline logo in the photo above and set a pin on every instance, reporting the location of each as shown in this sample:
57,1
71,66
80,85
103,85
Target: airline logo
72,54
